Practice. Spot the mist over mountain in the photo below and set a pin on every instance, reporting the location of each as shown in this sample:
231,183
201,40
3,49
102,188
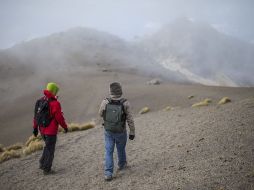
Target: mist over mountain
202,54
76,46
183,51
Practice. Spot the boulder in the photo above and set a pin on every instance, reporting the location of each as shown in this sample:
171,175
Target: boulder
154,82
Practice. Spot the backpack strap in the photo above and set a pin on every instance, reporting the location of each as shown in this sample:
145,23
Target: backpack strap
123,100
122,103
109,100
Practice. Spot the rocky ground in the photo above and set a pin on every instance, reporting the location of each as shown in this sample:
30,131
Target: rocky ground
184,148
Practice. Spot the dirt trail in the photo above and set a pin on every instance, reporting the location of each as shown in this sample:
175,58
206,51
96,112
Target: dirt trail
186,148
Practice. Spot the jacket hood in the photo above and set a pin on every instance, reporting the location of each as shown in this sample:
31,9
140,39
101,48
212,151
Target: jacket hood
116,97
49,94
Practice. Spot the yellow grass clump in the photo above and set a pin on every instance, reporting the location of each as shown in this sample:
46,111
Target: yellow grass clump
33,147
80,127
168,108
16,146
251,174
73,127
224,100
2,148
86,126
8,154
60,130
33,138
205,102
208,100
144,110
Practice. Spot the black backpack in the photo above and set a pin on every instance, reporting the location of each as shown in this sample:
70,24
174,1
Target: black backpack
42,112
114,116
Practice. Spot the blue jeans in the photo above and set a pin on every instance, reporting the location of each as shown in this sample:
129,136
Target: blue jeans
112,139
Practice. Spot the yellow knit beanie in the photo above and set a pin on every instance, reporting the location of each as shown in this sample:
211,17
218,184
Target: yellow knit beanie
52,87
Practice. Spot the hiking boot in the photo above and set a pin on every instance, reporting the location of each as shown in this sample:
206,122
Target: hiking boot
122,167
48,172
108,178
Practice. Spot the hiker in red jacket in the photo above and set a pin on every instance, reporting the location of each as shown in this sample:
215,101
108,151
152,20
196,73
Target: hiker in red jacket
47,117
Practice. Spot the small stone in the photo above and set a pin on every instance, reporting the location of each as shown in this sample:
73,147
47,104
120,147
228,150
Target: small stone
201,139
154,82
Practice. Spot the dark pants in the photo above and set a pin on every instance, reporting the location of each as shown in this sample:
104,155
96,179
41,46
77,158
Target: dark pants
48,152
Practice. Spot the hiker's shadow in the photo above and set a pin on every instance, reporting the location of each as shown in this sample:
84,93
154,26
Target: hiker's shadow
120,173
61,171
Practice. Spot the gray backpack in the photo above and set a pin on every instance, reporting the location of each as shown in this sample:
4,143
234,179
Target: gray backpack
114,116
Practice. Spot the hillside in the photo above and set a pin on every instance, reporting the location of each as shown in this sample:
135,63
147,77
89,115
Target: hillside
202,54
185,148
84,61
77,47
80,60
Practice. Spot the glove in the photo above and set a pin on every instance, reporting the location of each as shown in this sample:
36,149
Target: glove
35,132
131,137
66,130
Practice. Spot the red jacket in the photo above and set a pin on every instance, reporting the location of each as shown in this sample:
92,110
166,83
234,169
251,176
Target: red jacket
56,114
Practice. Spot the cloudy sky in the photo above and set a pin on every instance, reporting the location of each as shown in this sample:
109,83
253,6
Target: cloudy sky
21,20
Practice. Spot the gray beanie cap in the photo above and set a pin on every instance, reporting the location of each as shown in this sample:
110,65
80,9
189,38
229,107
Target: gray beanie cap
115,89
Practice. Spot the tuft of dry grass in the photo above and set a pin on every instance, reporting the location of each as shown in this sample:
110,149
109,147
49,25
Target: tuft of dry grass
34,144
60,130
250,174
73,127
80,127
205,102
168,108
33,147
9,154
32,138
2,149
208,100
86,126
224,100
16,146
144,110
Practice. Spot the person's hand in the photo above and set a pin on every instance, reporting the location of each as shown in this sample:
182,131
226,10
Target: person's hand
131,137
66,130
35,132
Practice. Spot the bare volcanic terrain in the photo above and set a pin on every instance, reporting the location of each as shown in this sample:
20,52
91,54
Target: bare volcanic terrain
180,147
185,148
84,61
81,93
